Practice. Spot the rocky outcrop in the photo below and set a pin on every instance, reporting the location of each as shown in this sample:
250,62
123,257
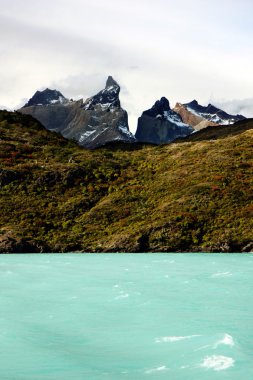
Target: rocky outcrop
93,123
9,243
160,124
200,117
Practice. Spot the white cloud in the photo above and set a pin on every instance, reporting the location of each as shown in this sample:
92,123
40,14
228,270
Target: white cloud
237,106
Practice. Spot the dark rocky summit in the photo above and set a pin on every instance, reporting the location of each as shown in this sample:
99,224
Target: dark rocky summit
93,123
160,124
45,98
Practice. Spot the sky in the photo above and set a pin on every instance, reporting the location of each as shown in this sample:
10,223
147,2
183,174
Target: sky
183,50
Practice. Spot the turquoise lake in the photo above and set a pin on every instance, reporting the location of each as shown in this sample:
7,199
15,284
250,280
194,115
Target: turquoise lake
128,316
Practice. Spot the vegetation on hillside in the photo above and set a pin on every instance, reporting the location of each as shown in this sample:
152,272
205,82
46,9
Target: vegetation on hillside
186,196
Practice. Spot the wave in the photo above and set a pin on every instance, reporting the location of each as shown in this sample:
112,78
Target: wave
227,340
217,362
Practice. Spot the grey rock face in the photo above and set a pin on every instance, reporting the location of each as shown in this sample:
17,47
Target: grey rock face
160,124
93,123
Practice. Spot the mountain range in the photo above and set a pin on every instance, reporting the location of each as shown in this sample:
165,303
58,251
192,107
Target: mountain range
92,123
100,119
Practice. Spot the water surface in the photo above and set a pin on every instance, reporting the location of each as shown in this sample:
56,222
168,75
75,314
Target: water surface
142,316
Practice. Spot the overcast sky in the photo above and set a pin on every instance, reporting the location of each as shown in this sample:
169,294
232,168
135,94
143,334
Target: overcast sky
184,50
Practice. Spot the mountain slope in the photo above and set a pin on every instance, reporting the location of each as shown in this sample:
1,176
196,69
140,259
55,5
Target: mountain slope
95,122
186,196
192,118
160,124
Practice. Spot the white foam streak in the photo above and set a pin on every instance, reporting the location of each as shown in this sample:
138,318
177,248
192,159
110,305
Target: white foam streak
158,369
170,339
217,362
222,274
202,347
126,295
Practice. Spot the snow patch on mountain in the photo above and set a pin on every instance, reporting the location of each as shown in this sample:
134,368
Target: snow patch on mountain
174,118
212,113
125,130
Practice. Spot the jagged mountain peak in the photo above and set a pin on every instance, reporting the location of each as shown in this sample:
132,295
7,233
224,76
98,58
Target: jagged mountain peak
111,82
46,97
194,102
158,108
199,108
163,103
107,99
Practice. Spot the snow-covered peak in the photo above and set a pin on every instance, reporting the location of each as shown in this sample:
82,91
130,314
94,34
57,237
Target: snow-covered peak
212,113
46,97
107,99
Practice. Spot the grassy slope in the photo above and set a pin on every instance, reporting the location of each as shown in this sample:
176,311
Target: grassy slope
186,196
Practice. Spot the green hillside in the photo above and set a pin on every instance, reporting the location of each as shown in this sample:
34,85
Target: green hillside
193,195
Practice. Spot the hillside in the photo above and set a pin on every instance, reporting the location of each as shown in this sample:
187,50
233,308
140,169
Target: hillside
187,196
220,131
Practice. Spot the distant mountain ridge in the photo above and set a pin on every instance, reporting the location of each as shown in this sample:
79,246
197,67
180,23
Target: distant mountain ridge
212,113
100,119
200,117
